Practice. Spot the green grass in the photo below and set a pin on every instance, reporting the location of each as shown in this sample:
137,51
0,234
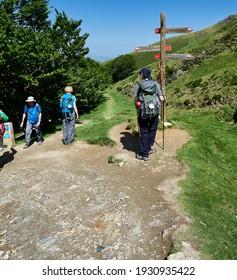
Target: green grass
116,110
209,192
211,83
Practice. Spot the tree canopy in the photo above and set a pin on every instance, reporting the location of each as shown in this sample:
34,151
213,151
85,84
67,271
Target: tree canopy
122,67
39,58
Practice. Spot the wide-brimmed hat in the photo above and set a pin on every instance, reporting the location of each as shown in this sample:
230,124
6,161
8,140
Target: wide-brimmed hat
30,99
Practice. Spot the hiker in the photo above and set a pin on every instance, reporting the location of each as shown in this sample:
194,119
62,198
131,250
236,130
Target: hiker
146,95
4,116
33,113
2,131
69,115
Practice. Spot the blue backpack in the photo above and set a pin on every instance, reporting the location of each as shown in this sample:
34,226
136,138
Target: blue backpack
66,105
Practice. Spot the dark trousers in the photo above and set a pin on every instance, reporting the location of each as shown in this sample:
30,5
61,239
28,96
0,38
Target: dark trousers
148,128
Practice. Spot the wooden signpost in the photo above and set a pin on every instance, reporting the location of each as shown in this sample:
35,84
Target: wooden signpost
162,56
162,30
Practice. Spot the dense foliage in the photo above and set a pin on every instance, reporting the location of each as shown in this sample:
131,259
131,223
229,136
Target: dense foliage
121,67
39,58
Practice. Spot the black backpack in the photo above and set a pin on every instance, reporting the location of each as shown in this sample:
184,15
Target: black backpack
149,100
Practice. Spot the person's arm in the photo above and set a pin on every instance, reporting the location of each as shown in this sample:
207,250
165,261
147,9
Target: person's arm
23,119
75,109
136,95
160,94
40,117
2,131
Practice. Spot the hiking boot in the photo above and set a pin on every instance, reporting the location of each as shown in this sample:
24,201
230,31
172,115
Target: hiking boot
26,146
140,157
153,151
40,143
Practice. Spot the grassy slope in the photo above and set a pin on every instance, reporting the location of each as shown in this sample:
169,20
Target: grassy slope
209,192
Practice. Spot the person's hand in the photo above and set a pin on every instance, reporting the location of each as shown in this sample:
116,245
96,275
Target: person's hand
21,124
162,98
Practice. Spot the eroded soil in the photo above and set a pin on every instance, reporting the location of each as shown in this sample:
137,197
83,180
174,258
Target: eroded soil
68,202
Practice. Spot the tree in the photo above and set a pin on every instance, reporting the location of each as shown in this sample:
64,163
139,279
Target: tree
122,67
36,58
89,81
67,40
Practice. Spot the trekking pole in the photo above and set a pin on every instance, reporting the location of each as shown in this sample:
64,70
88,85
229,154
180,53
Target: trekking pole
138,128
163,126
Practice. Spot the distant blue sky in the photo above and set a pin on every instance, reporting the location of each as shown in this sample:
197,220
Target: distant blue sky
117,27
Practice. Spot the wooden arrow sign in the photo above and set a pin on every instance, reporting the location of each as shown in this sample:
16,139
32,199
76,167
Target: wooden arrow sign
151,48
174,30
175,56
179,56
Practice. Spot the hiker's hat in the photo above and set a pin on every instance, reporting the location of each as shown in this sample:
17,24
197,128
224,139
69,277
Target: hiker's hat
30,99
146,72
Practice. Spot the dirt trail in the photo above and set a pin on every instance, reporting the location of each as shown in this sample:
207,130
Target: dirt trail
67,202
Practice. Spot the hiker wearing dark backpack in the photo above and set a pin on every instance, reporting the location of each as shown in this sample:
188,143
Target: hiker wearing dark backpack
147,96
33,113
69,115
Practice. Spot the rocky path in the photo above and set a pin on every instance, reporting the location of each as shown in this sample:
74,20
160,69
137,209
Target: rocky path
68,202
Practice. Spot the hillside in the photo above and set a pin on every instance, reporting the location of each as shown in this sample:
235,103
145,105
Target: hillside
207,81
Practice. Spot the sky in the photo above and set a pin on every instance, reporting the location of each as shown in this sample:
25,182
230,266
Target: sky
117,27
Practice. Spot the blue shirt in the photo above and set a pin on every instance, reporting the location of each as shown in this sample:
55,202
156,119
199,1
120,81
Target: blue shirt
32,113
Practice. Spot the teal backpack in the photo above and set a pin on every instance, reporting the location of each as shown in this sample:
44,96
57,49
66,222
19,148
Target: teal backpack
66,105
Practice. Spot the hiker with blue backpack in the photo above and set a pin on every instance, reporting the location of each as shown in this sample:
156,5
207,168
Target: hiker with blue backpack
69,115
147,96
33,113
3,118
